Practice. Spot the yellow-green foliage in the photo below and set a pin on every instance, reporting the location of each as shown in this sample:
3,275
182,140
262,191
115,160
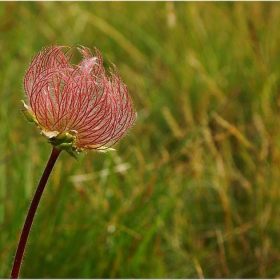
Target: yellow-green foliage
193,190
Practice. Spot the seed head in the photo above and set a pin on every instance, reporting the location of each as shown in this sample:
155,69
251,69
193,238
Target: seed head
77,107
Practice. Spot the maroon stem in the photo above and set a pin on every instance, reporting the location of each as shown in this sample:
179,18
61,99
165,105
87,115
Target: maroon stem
31,213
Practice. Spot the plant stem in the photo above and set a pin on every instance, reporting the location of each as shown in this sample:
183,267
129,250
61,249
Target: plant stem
31,213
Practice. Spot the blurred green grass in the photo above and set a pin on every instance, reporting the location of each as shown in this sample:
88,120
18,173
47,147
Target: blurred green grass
193,190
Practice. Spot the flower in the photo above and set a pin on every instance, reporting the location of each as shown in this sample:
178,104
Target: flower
77,107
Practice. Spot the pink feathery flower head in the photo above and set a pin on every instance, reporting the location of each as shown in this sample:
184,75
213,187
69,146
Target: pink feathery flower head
77,107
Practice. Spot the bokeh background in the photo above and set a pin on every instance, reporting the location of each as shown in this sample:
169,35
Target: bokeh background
193,190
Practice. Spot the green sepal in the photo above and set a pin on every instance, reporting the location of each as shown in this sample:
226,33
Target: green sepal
64,145
64,141
65,137
29,116
72,154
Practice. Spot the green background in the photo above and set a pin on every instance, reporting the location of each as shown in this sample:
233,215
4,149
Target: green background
193,190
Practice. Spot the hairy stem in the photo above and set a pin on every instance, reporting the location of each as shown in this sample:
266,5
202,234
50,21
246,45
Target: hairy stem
31,213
